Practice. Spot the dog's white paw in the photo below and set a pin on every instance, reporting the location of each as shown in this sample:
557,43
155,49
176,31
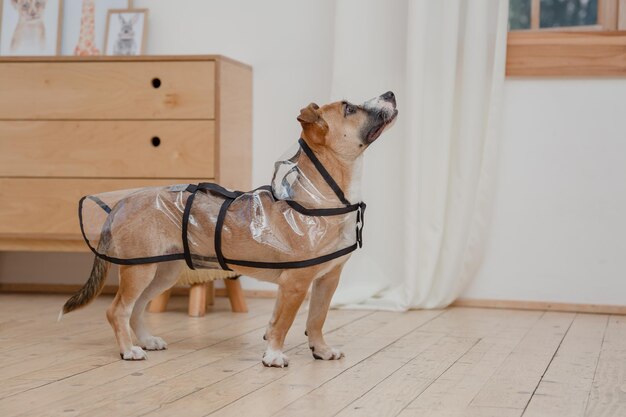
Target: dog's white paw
134,354
326,353
154,343
275,358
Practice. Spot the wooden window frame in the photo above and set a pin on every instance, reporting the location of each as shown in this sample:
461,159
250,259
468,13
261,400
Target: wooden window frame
598,50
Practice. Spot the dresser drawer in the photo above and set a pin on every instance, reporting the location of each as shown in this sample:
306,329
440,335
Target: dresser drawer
114,149
107,90
48,208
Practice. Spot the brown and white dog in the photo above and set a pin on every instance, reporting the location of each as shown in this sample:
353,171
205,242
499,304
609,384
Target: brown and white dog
338,134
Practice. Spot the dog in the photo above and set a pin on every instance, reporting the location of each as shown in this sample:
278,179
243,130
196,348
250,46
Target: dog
30,33
333,139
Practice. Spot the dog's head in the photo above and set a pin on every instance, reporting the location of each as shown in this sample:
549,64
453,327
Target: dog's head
347,129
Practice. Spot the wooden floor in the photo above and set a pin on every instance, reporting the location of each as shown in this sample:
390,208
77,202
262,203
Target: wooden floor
455,362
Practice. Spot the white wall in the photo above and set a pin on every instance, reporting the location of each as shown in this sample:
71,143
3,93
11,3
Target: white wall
559,224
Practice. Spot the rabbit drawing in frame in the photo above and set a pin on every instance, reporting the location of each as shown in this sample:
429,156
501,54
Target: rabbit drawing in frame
29,36
126,43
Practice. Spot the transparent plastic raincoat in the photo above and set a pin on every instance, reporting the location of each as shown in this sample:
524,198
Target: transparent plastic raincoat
302,219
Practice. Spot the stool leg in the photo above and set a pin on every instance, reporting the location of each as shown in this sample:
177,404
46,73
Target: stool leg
210,293
235,295
197,300
159,303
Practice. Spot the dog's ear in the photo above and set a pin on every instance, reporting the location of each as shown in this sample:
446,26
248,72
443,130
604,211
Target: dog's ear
313,124
309,114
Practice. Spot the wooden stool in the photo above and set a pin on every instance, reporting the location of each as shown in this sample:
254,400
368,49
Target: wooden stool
202,292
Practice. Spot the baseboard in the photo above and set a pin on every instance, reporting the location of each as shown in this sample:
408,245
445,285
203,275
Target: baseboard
112,289
221,292
541,305
461,302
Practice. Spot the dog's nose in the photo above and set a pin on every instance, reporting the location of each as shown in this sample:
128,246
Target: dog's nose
390,97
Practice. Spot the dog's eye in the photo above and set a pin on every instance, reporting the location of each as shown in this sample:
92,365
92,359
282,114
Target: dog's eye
349,109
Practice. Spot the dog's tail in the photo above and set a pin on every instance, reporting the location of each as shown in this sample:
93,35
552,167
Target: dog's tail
95,283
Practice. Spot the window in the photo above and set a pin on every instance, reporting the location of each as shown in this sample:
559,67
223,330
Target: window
567,37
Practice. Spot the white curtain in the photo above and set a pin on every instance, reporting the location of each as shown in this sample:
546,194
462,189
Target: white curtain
429,181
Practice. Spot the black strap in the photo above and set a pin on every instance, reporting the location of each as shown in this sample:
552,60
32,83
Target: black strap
360,223
323,211
218,234
218,189
101,203
185,227
323,172
294,264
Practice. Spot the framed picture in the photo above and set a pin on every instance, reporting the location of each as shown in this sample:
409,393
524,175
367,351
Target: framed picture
84,25
126,32
30,27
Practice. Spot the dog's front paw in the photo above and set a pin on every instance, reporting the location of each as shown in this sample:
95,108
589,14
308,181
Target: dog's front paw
154,343
326,353
275,358
134,354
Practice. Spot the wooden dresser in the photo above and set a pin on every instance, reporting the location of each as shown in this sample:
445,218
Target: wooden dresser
75,126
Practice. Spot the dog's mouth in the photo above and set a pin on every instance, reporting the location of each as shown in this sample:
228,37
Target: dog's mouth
383,120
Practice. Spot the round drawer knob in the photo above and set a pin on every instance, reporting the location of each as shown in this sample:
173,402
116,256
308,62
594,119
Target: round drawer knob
156,82
156,141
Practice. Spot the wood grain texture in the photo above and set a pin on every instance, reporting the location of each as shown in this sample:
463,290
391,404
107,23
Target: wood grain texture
236,295
40,288
185,337
608,392
381,328
234,126
107,90
565,386
442,360
159,303
331,397
453,392
210,356
42,245
46,208
399,393
107,149
514,383
535,13
296,385
67,118
608,14
118,58
572,54
541,305
197,300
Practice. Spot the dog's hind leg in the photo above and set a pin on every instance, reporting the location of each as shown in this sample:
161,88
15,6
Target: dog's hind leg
166,276
133,281
291,293
322,293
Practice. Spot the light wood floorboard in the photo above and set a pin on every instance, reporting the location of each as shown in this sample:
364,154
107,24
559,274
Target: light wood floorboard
458,362
608,393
